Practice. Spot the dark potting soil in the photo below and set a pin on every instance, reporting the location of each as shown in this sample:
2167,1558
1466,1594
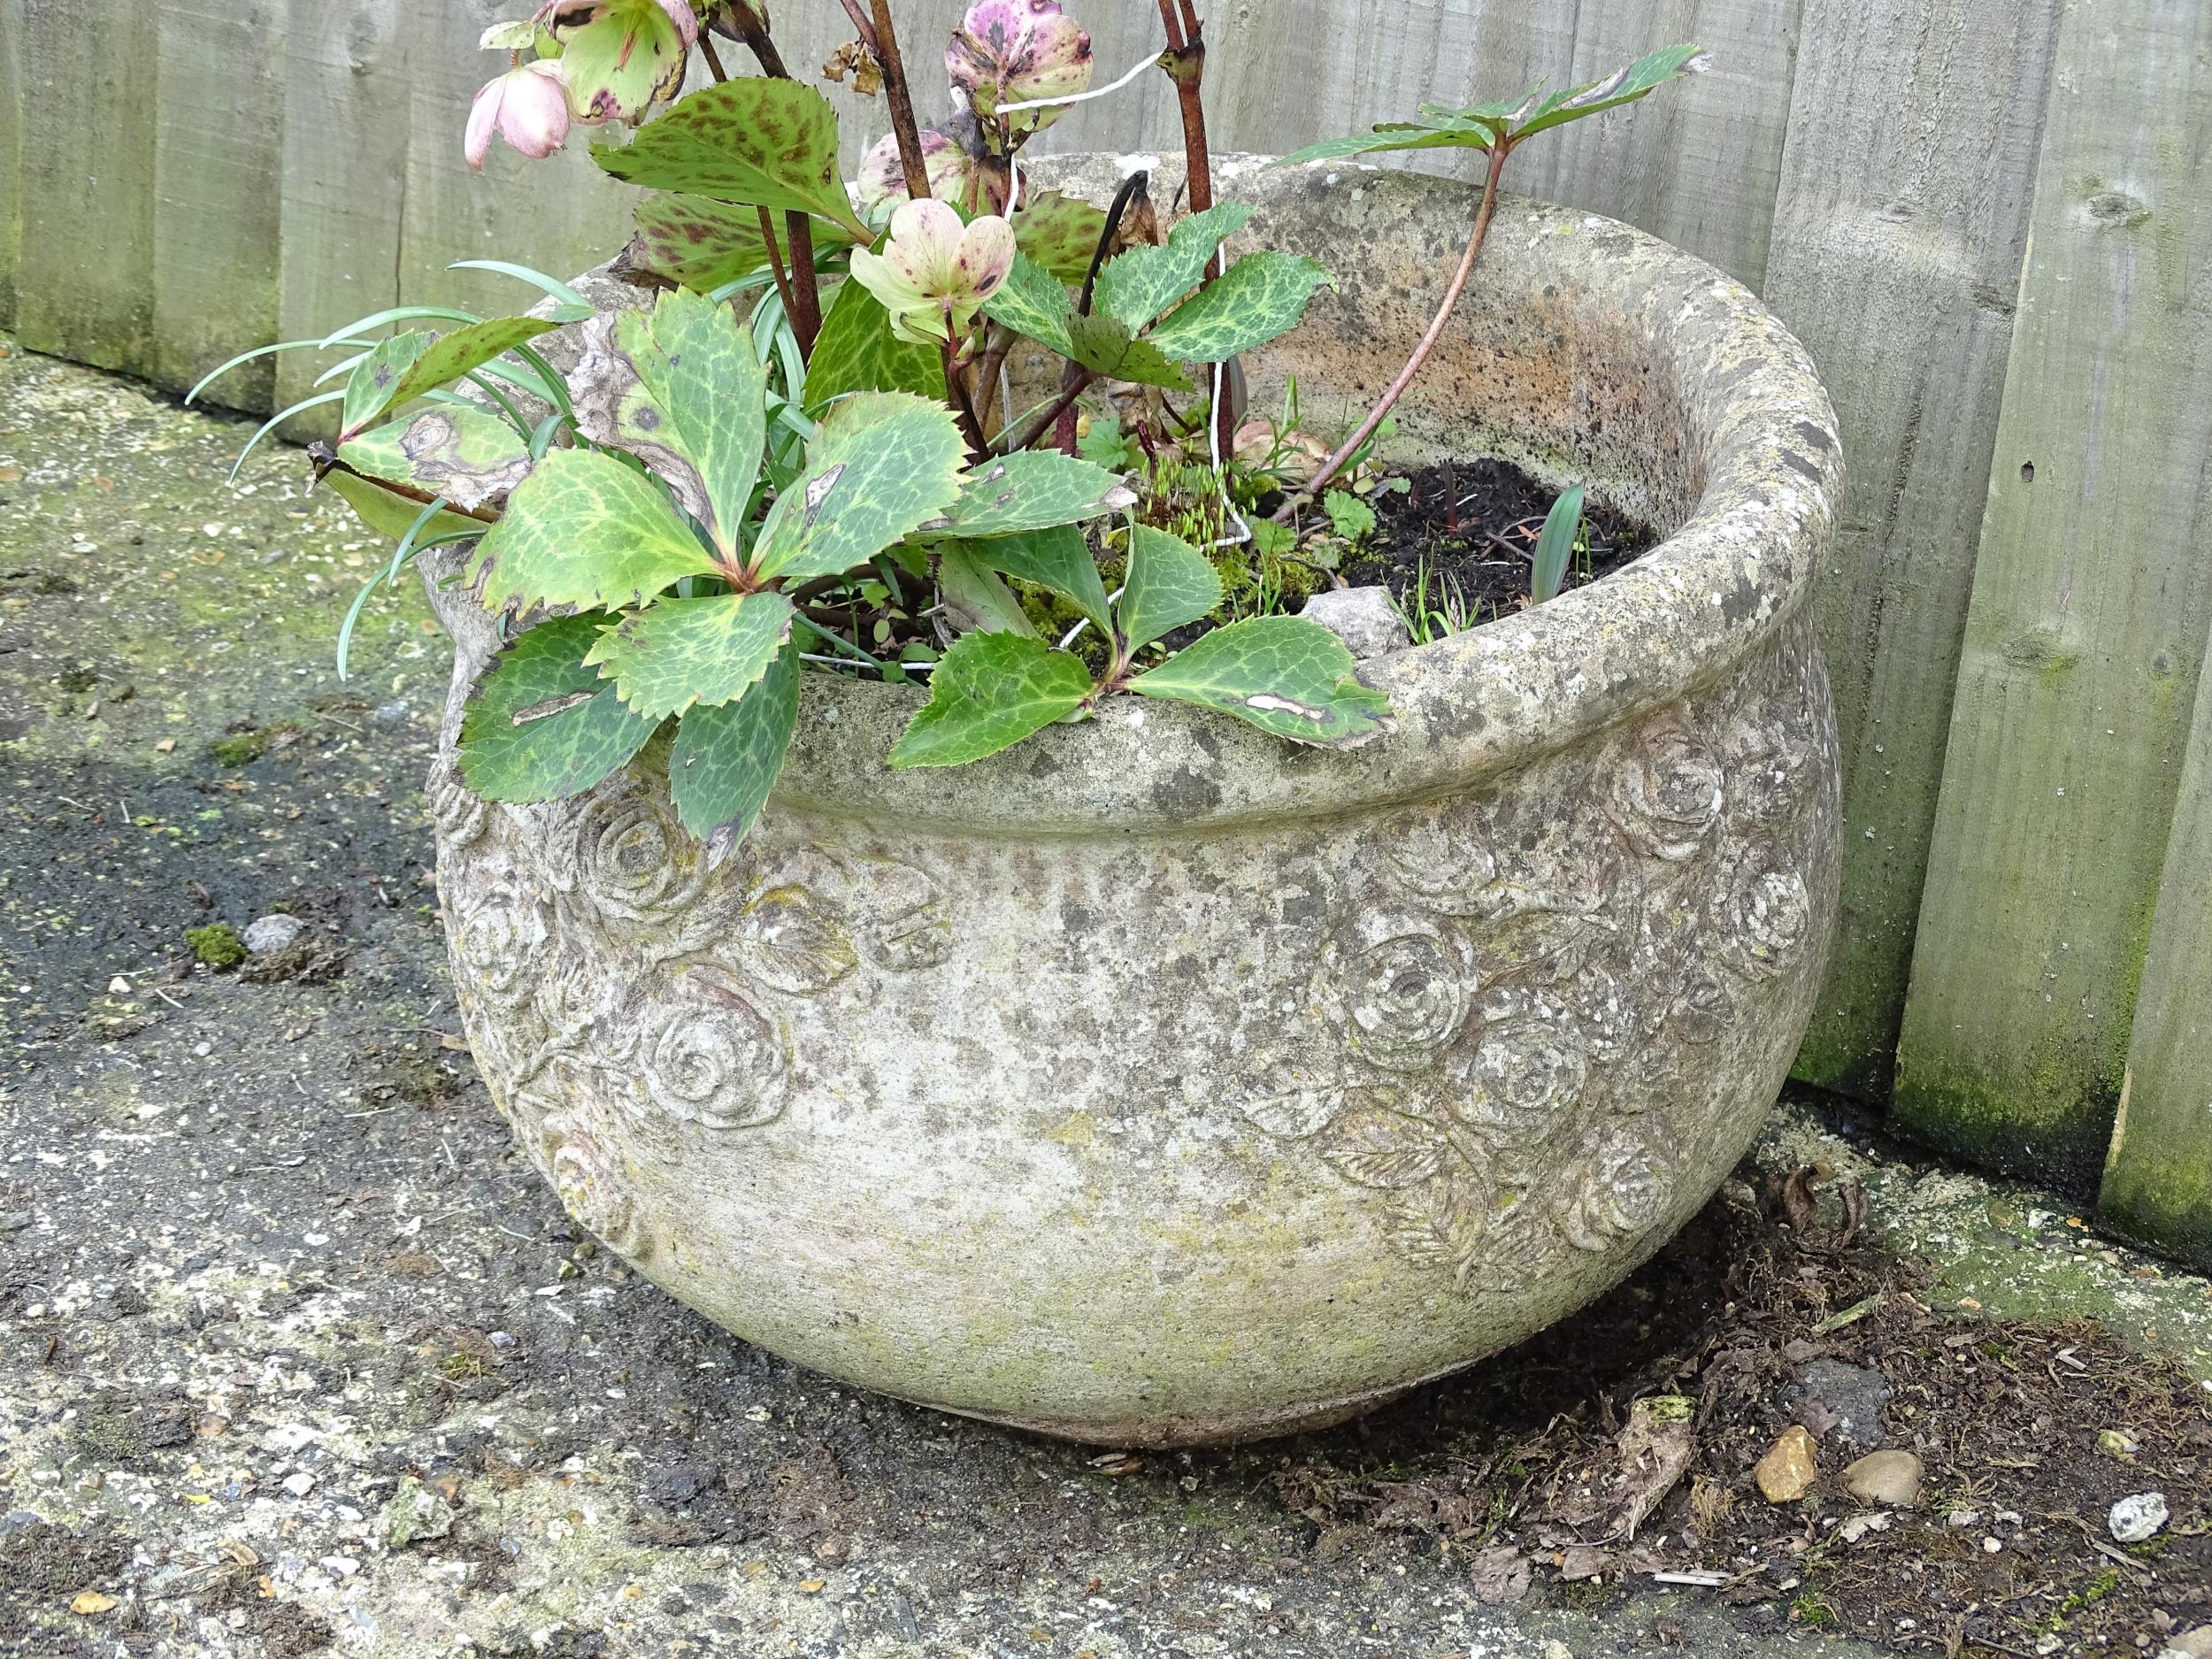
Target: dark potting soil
1470,529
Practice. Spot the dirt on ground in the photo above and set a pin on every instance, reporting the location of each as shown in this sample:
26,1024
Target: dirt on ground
298,1354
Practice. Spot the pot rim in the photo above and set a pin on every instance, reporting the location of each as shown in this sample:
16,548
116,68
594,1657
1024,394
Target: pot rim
1756,422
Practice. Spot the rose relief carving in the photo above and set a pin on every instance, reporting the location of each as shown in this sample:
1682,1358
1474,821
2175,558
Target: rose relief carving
1512,1020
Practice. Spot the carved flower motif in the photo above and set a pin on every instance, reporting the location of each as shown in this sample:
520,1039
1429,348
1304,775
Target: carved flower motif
1623,1193
632,863
1770,770
907,927
1400,989
1521,1086
714,1059
1666,794
592,1192
1444,868
1766,915
458,815
1702,1011
497,947
792,939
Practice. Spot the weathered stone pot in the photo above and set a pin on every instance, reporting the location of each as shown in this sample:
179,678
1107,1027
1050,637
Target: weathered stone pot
1160,1082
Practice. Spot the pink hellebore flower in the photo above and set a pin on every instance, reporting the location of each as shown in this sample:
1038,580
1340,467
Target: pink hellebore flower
528,108
883,172
934,273
1010,51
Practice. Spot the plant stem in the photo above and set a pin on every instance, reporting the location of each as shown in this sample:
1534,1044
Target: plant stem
867,30
963,406
775,266
901,101
1042,422
800,288
1185,61
1500,149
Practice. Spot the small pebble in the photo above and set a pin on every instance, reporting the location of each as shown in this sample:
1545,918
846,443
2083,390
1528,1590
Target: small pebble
1786,1473
300,1485
2140,1516
1885,1477
273,933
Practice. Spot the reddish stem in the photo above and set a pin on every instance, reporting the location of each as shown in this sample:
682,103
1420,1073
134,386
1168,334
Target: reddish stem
800,288
900,100
1500,149
1042,422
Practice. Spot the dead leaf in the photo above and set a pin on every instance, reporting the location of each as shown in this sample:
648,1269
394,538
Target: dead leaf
1800,1211
1584,1561
1655,1449
1500,1575
91,1603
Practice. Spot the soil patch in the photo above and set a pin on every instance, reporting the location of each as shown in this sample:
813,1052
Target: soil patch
1767,1313
1459,541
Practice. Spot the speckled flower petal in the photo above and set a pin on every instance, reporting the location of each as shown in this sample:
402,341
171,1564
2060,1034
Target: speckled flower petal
1011,51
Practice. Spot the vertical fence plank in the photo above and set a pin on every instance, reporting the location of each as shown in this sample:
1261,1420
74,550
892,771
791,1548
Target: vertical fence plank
218,141
345,167
1898,238
12,44
2088,620
561,215
84,276
2158,1177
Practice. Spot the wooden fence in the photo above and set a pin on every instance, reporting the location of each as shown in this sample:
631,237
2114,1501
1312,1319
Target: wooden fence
1978,215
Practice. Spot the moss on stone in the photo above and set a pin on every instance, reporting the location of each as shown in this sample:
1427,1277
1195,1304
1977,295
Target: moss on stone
216,944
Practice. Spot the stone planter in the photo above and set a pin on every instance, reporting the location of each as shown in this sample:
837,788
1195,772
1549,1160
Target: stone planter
1160,1082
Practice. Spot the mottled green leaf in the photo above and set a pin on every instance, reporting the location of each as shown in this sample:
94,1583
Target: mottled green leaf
767,143
449,357
1034,302
1623,85
702,243
376,378
1033,490
618,65
390,514
1103,344
727,756
706,393
1060,233
1262,296
989,692
1398,137
583,529
1169,584
881,464
1287,675
1059,559
467,455
540,726
977,600
1137,286
857,352
678,652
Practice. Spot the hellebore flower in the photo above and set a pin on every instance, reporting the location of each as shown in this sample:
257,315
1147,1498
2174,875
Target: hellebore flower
526,106
1010,51
619,57
883,172
934,273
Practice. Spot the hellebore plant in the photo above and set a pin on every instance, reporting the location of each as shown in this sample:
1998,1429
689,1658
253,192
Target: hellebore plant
707,502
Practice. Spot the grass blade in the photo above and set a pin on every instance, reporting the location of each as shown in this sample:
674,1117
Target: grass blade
1555,546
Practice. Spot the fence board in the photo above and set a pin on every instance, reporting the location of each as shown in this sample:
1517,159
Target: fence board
2088,619
11,42
1898,239
218,139
344,174
85,270
2158,1178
